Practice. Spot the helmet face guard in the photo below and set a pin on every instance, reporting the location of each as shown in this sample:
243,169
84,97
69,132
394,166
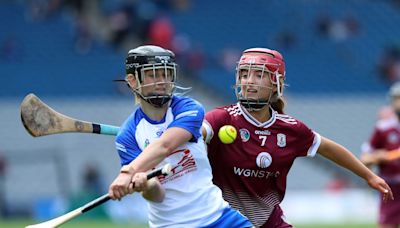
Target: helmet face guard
152,59
394,93
394,90
167,83
264,62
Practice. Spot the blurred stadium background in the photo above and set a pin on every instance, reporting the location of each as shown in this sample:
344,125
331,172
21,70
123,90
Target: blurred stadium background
341,58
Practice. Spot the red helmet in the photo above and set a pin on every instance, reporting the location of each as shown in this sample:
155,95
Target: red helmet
271,59
266,59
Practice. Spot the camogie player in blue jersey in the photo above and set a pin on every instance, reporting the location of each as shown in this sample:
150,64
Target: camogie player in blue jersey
165,128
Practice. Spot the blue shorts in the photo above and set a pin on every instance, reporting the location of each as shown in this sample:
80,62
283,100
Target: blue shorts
230,218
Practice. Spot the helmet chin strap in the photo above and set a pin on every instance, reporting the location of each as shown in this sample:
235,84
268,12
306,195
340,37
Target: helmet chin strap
255,105
155,100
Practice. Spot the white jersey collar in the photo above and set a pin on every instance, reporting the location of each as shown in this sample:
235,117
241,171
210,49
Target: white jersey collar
254,121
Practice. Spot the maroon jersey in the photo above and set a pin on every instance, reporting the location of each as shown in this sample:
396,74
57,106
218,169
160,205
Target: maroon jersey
252,171
386,136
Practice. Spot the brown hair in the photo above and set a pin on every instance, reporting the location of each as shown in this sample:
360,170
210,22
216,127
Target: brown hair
278,104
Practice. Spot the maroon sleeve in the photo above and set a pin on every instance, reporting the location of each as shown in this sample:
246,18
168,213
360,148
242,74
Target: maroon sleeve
377,141
216,118
306,139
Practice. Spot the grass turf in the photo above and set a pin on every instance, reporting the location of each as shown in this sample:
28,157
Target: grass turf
108,224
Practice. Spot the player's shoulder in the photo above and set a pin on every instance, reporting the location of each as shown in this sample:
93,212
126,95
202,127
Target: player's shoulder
183,101
387,124
285,118
290,124
225,111
186,106
231,109
130,124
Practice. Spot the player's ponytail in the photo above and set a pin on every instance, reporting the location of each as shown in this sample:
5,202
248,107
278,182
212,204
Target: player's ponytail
278,102
278,105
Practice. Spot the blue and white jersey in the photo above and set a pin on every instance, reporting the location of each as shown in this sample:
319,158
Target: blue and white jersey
191,199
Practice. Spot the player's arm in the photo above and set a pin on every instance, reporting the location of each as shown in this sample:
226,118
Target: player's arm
151,156
203,133
207,131
156,151
151,190
343,157
372,152
374,158
212,122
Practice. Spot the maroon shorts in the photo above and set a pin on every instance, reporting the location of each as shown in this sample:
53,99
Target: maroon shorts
389,212
277,219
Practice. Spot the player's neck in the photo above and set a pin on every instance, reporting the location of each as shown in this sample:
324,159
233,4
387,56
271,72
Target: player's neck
262,115
154,113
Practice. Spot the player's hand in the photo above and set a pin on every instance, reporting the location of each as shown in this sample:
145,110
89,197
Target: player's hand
379,184
140,182
121,186
381,156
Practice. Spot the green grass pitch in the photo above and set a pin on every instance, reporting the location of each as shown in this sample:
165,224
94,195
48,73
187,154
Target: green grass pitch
108,224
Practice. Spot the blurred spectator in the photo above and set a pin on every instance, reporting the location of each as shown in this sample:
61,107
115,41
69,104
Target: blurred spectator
286,40
11,49
182,5
385,139
120,25
352,25
77,6
182,44
83,36
337,29
196,59
146,11
229,57
337,184
164,5
191,57
389,64
92,187
92,181
162,32
42,9
396,3
323,25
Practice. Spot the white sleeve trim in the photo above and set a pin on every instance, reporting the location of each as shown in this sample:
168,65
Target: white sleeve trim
187,113
315,145
120,147
209,131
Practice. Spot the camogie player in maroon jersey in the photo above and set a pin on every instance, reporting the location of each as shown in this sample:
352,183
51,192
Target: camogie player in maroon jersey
385,138
252,171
